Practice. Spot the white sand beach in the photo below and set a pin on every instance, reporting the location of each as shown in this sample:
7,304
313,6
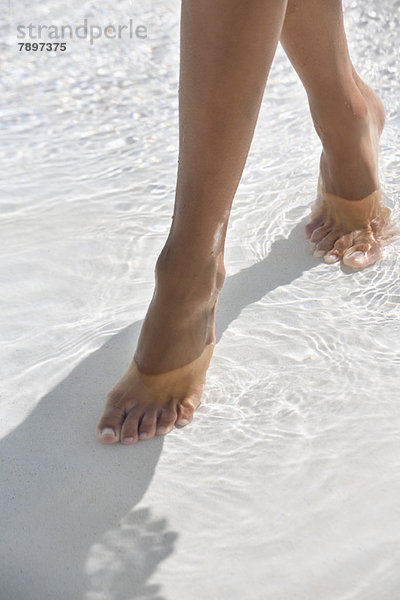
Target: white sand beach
286,484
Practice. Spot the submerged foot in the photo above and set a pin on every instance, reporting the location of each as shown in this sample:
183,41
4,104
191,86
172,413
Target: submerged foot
349,220
164,382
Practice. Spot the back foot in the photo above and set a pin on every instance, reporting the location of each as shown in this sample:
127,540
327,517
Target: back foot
349,220
350,230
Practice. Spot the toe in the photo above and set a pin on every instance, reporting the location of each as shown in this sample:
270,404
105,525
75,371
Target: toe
364,251
312,225
130,428
147,427
326,244
340,247
186,409
319,233
109,426
166,421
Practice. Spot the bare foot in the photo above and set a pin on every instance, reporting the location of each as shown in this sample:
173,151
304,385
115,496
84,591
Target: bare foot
349,219
164,382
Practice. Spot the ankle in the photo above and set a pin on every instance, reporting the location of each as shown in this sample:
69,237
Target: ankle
349,130
344,118
348,115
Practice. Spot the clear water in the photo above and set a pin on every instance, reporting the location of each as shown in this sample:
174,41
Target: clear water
287,483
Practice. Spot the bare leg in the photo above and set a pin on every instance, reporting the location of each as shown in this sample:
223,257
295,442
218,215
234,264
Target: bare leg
349,118
227,47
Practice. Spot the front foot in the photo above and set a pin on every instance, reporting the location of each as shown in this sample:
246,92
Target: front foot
164,382
143,405
353,231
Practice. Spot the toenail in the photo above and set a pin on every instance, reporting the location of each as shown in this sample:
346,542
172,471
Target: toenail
357,255
331,258
163,429
107,431
143,435
183,421
128,440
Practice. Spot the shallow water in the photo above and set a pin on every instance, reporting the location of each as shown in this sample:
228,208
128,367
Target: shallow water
287,483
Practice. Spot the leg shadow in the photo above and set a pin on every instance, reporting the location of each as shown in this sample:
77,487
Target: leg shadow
69,525
288,260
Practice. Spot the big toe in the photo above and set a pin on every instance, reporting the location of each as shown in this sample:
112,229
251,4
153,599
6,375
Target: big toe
360,256
186,408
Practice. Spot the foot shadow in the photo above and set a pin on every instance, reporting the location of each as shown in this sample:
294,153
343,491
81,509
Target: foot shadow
69,528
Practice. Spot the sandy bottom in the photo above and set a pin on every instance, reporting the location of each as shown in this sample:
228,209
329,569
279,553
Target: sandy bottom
287,483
